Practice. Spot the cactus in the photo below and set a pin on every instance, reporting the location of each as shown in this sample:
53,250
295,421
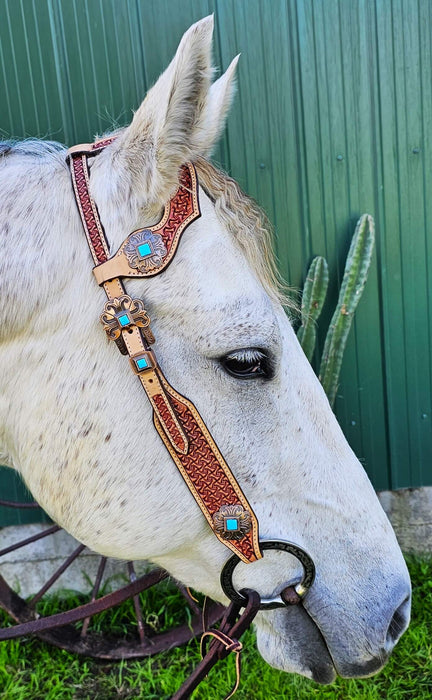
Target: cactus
354,279
314,293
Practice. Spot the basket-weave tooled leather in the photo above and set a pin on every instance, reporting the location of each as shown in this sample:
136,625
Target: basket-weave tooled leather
88,212
206,472
181,206
179,212
195,453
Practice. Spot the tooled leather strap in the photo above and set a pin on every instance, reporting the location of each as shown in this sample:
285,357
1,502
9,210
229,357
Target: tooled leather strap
144,253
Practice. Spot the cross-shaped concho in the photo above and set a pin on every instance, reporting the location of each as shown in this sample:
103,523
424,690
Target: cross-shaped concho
122,313
232,522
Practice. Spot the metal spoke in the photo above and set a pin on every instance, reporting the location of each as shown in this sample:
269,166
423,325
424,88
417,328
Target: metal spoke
60,629
57,575
14,504
29,540
188,597
95,591
137,605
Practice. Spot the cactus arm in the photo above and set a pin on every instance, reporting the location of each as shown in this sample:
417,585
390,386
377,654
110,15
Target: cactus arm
354,280
314,292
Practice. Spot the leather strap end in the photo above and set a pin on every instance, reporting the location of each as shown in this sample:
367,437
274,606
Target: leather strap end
89,149
170,424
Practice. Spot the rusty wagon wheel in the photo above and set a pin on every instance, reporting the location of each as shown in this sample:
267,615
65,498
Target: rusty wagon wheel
61,629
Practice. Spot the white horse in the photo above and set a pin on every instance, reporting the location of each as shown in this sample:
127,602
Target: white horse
77,426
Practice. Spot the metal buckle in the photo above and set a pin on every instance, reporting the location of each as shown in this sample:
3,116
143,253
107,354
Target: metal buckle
143,362
122,313
300,588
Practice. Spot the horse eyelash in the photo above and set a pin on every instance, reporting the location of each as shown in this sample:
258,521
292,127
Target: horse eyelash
247,355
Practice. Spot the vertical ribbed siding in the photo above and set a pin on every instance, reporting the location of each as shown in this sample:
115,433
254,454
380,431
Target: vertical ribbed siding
333,118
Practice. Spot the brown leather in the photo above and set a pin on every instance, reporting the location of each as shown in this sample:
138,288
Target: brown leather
150,380
207,474
90,149
180,211
176,419
232,626
87,208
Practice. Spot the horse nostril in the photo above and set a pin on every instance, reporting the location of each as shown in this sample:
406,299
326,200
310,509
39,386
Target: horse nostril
398,623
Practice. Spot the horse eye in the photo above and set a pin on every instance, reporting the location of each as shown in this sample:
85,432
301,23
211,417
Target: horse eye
249,363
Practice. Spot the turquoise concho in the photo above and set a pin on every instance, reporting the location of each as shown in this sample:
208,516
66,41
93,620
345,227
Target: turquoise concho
145,251
232,522
143,362
122,313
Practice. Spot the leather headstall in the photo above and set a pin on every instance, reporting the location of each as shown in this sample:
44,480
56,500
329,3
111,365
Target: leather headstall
147,252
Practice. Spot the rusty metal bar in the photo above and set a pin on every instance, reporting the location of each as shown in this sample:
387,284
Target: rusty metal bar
14,504
29,540
83,611
95,591
137,606
56,575
188,597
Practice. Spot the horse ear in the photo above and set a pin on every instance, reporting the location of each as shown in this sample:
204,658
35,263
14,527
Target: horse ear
213,116
180,118
161,136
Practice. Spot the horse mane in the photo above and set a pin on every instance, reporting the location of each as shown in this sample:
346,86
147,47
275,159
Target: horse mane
248,225
246,222
31,147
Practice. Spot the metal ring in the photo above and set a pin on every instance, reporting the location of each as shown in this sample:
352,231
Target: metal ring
270,603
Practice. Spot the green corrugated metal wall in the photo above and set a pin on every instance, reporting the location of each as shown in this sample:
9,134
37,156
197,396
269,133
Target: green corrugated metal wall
333,118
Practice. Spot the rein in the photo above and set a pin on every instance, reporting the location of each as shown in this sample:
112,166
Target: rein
147,252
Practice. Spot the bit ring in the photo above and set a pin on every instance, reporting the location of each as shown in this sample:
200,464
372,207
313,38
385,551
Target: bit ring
300,588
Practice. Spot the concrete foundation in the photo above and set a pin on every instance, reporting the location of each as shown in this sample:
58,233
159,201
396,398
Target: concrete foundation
27,569
410,513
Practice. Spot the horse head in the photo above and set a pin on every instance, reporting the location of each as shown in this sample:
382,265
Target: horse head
76,424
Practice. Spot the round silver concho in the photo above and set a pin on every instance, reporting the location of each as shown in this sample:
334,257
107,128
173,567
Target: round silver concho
145,251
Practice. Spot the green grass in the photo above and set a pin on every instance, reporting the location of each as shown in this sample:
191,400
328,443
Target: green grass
32,670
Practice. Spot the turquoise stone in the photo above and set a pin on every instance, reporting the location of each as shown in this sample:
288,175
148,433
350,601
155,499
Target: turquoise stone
231,524
142,363
124,320
144,250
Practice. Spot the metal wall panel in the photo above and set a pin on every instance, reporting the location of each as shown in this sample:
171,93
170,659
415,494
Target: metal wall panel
333,118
